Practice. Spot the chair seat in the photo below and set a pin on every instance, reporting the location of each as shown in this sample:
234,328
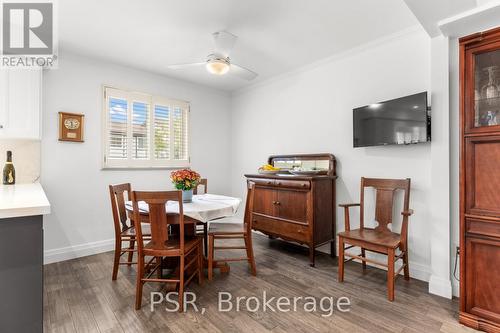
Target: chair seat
130,232
387,239
226,228
171,246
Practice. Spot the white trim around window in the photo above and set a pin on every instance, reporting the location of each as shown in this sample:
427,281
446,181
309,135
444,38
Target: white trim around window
144,131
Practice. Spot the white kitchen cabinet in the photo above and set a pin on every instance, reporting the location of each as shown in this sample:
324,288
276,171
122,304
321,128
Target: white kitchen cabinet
20,103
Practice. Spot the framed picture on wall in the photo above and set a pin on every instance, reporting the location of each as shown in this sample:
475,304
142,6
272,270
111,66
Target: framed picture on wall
71,127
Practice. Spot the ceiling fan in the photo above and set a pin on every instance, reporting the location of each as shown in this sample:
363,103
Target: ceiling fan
218,62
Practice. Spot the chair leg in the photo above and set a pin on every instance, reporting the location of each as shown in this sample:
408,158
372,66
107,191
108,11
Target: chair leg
181,284
131,254
210,257
159,269
200,264
139,282
116,261
407,266
390,274
250,256
341,260
363,254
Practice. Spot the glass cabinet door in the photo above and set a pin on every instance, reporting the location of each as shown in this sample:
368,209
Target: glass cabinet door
487,89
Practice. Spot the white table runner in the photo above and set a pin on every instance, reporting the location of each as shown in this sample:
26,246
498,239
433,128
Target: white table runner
204,208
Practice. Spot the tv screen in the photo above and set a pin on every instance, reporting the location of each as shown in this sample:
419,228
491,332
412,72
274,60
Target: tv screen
396,122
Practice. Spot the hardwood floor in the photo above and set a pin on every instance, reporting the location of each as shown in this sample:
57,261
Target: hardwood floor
79,296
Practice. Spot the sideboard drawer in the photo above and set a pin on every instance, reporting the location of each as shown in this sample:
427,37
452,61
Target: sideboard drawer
292,231
302,184
263,181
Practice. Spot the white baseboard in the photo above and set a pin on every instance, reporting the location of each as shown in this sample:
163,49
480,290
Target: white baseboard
440,286
77,251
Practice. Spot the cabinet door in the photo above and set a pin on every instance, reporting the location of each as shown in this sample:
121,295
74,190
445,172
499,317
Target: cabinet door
482,86
264,201
21,97
481,279
4,101
292,205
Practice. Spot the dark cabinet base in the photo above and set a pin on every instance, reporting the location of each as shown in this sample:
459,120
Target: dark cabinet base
21,274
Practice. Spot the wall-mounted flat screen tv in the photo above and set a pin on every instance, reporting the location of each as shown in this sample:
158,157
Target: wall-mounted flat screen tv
396,122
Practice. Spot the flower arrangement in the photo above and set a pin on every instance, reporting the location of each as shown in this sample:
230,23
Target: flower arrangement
185,179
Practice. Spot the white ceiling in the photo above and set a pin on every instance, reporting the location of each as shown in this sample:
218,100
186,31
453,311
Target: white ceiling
275,36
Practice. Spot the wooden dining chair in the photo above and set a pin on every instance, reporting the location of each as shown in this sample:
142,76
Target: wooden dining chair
379,239
123,232
203,182
221,230
186,248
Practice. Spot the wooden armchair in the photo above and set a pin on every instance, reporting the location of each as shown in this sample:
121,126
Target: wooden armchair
379,239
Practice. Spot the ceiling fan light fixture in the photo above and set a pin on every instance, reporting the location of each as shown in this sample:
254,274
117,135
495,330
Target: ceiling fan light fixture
218,66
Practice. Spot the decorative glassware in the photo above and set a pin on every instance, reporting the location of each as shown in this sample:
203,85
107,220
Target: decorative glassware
490,90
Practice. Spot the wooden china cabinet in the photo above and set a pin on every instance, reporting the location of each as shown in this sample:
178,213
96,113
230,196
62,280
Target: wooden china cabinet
480,181
299,208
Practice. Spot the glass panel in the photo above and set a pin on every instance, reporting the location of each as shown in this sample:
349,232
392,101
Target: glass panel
117,126
487,89
162,132
140,130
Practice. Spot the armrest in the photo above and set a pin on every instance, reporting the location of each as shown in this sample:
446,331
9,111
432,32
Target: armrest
408,212
349,205
346,217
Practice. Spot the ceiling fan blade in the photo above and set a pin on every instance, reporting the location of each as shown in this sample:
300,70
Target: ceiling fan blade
224,42
182,66
242,72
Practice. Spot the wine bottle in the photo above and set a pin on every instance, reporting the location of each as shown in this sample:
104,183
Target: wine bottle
9,173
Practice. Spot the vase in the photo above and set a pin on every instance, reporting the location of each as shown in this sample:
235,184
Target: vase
187,195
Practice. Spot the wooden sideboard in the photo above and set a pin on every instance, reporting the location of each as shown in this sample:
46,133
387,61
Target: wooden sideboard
480,181
296,208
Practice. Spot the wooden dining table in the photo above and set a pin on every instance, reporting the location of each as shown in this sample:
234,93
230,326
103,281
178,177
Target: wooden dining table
203,209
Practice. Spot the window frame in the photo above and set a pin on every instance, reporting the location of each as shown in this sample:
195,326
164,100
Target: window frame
151,162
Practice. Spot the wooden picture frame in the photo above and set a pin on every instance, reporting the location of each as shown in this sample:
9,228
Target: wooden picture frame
71,126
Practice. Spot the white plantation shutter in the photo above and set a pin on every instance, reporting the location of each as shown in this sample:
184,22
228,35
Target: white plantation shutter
162,132
179,133
141,130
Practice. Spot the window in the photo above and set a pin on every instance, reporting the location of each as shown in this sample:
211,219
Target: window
144,131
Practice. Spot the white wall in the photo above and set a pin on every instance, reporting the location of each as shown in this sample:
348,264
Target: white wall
311,111
76,186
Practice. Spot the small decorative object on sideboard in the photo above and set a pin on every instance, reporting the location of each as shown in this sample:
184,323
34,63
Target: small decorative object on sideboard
298,203
185,180
71,127
9,173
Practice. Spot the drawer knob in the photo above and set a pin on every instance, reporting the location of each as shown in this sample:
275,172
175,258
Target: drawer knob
304,185
278,183
268,183
278,203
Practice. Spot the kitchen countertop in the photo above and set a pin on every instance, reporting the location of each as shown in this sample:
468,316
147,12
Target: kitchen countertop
23,200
